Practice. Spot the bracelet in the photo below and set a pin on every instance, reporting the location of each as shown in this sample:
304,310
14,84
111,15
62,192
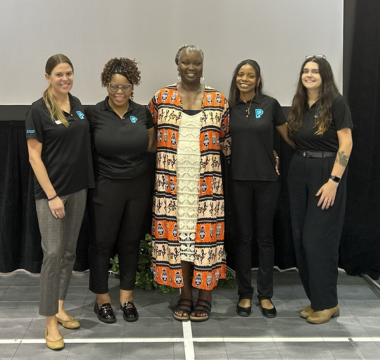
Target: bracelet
52,197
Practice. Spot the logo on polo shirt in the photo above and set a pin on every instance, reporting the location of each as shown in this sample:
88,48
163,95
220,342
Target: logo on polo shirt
317,113
133,119
30,131
80,114
258,113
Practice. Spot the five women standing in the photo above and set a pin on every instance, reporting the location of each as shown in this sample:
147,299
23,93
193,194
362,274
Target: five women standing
192,124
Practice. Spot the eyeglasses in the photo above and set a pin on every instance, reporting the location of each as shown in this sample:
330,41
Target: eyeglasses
115,87
315,57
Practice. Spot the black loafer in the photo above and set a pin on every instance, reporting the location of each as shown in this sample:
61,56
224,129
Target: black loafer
243,311
129,311
105,313
268,313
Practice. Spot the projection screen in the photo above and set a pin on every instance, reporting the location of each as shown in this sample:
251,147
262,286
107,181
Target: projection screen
276,33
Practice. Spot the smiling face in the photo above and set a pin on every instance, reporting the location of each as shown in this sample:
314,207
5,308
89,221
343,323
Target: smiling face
61,79
190,67
247,82
311,78
119,99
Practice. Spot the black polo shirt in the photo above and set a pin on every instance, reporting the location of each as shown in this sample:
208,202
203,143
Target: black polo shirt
252,138
119,145
66,152
306,139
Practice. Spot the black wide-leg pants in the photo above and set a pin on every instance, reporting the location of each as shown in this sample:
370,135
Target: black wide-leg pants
254,200
117,209
316,232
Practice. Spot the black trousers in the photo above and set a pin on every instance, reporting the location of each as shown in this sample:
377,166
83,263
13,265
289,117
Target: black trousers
316,232
254,200
117,210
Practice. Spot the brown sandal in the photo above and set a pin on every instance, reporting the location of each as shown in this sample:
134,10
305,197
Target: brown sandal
186,309
199,309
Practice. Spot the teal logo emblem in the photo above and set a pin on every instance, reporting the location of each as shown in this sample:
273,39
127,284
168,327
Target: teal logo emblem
133,119
80,114
258,113
30,131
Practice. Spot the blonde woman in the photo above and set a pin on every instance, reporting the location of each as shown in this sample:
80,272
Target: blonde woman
60,154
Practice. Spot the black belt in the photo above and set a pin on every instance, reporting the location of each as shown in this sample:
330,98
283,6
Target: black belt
316,154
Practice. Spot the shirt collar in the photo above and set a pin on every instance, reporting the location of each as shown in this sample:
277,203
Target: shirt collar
257,99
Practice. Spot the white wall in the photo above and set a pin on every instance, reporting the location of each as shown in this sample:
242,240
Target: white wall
276,33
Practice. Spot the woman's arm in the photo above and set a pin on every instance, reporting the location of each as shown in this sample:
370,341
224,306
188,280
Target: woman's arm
152,140
283,130
56,205
328,190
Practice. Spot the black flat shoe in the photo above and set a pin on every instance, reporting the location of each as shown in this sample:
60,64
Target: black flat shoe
105,313
129,311
243,311
268,313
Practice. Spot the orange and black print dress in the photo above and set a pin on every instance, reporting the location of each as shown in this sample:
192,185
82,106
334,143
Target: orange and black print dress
209,255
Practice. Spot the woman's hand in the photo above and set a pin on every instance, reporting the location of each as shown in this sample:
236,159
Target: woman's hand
57,208
327,193
277,161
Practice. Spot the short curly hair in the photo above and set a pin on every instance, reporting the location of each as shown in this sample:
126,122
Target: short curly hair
123,66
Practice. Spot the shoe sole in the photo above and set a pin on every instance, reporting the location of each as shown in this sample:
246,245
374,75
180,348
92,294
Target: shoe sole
199,319
127,319
181,318
244,313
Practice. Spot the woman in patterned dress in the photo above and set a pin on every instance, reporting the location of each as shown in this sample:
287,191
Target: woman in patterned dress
188,207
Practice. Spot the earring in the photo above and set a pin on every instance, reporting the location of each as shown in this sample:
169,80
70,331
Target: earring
179,77
202,78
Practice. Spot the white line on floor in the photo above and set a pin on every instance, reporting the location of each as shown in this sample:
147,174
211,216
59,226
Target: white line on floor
188,340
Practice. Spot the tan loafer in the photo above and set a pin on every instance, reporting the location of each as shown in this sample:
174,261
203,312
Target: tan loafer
323,316
305,313
69,324
54,345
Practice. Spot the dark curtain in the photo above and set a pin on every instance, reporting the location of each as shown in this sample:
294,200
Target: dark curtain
360,246
20,240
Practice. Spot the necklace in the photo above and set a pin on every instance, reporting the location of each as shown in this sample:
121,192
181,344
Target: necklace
248,110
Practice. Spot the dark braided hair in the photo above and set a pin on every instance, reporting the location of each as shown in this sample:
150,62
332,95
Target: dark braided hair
123,66
187,47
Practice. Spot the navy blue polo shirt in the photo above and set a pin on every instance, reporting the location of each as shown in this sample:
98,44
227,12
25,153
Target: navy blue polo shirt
66,152
119,144
252,138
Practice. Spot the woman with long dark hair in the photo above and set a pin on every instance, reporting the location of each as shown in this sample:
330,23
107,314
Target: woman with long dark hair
320,124
60,155
254,181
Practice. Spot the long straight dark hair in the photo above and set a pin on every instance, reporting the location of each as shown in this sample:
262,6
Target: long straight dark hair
327,94
234,91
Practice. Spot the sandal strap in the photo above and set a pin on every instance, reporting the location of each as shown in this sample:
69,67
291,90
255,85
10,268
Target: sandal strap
180,305
202,308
